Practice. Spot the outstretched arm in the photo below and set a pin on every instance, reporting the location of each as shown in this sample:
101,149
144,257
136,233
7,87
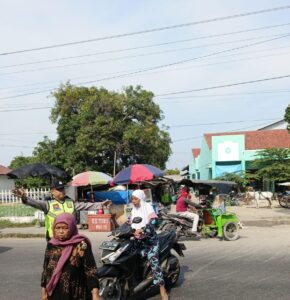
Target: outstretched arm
190,203
38,204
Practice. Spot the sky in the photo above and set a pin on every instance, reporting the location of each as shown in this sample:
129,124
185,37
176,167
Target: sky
221,45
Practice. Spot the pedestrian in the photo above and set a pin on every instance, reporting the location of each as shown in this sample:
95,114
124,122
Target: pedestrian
69,268
58,204
187,208
146,239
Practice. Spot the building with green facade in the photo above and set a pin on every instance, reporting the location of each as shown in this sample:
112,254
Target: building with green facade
230,152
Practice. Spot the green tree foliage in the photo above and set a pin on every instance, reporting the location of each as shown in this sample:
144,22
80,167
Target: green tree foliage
287,117
241,178
172,172
93,124
273,164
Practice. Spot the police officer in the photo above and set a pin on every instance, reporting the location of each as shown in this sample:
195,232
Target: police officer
56,205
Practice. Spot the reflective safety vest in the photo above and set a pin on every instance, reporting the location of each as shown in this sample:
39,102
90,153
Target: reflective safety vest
56,208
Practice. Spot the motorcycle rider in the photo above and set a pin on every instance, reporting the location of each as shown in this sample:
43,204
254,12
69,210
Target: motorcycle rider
146,240
183,205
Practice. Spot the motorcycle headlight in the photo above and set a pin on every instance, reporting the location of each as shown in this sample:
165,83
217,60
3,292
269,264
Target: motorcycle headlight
113,256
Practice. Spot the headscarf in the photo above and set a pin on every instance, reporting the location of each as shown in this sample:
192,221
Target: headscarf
74,238
145,211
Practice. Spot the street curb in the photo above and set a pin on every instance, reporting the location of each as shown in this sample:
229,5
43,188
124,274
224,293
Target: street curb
266,223
248,223
21,235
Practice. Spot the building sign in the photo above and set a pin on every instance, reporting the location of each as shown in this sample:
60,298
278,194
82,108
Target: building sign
228,151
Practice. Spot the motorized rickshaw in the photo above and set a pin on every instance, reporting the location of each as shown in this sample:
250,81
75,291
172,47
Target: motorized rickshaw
213,221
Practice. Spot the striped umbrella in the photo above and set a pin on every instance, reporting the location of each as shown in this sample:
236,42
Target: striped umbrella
91,178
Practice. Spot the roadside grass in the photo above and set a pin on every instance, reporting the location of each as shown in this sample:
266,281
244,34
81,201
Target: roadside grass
21,235
16,210
9,224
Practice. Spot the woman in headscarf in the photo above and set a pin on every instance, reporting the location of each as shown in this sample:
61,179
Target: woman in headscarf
146,238
69,269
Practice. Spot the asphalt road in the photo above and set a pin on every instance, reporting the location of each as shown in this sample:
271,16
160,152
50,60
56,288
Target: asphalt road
257,266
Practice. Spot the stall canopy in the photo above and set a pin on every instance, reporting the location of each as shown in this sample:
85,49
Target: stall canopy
284,184
223,187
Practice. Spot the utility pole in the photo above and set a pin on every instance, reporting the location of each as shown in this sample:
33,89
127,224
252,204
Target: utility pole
115,159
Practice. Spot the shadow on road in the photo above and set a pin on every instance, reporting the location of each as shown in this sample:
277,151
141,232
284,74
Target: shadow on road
4,249
155,291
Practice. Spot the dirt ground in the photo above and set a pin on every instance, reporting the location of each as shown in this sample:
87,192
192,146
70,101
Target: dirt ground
249,215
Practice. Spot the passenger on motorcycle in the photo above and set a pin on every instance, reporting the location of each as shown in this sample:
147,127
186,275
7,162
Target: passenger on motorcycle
187,208
146,240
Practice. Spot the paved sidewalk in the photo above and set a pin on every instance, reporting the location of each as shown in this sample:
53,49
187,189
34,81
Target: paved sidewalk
263,216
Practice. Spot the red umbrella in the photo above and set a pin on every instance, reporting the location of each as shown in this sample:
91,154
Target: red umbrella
137,173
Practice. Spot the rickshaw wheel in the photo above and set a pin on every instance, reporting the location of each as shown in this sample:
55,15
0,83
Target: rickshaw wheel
231,231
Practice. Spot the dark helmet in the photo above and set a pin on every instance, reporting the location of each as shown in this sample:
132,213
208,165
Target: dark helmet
58,185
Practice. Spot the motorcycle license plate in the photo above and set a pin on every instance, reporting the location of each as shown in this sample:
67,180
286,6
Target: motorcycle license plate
109,245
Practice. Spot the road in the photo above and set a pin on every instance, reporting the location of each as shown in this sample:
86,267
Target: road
257,266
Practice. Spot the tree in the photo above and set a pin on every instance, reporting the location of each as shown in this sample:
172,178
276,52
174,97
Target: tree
287,117
172,172
273,164
95,125
242,179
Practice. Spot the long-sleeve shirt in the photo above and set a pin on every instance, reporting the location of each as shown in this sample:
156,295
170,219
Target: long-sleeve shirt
182,204
43,205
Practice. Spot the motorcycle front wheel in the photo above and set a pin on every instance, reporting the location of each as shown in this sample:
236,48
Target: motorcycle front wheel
173,272
110,289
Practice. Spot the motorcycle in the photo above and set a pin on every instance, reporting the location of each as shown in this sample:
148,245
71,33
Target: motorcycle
125,273
210,221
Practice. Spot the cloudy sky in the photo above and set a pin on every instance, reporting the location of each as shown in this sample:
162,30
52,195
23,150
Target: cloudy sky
224,42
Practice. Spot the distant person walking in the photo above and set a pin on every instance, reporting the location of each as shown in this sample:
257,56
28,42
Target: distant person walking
58,204
69,269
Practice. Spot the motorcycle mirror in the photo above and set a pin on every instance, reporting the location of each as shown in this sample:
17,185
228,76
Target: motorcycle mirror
137,220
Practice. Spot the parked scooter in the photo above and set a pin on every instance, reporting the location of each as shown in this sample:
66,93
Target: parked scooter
124,274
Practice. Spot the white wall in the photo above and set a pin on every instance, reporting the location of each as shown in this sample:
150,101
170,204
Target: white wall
5,183
278,125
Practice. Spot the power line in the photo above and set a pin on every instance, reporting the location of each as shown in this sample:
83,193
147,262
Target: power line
228,94
145,46
22,109
16,146
137,55
157,67
27,133
141,47
218,123
150,30
182,61
225,85
234,130
179,92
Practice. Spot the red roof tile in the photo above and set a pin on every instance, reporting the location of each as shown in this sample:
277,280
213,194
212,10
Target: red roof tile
4,170
195,152
258,139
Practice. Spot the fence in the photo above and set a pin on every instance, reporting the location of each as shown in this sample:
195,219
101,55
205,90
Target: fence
6,196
